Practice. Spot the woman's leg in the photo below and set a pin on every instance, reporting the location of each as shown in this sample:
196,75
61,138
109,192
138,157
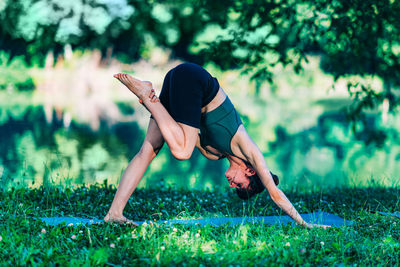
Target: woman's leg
180,137
134,172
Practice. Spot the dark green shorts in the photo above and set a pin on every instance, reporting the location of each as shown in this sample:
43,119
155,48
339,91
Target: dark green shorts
218,127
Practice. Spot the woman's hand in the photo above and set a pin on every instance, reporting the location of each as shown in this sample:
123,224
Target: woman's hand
152,96
120,220
313,225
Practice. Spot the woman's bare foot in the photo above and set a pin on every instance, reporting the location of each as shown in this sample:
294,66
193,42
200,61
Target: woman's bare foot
140,88
120,220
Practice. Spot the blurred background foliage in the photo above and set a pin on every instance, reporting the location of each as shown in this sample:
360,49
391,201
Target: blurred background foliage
316,83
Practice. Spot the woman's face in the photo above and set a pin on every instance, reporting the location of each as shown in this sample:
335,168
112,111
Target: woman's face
237,177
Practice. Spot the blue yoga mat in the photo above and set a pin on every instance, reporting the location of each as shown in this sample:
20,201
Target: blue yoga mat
318,217
72,221
396,213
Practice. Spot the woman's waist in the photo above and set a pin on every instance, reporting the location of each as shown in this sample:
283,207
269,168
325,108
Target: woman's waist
215,102
220,112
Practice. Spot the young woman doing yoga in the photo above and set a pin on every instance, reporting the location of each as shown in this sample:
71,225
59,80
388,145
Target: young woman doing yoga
192,100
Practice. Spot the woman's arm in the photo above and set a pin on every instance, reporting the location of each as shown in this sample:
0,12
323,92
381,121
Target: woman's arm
245,146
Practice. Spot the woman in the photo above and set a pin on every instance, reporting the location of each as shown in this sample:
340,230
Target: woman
192,100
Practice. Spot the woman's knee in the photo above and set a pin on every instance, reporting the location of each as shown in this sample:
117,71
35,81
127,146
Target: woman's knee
157,148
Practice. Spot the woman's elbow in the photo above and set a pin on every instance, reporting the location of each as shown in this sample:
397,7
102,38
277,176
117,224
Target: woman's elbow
182,154
276,196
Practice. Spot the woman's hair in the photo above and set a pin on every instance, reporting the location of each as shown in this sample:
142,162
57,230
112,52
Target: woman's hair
255,187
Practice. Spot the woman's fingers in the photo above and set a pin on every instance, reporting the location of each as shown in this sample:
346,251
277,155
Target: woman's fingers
312,225
131,222
322,226
153,96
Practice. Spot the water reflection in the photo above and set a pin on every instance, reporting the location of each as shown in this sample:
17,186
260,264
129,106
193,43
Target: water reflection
330,154
36,152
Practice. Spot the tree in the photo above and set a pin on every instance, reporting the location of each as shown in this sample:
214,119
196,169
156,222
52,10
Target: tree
127,27
38,26
358,37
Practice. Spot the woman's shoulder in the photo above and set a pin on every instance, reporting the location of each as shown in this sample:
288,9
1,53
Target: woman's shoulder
242,138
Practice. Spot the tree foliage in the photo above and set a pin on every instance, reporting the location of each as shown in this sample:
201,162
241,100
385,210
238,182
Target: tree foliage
34,27
357,37
354,37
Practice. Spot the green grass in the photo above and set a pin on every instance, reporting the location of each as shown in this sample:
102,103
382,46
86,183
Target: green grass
376,241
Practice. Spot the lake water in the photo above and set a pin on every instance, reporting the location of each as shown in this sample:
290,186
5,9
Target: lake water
74,131
34,151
